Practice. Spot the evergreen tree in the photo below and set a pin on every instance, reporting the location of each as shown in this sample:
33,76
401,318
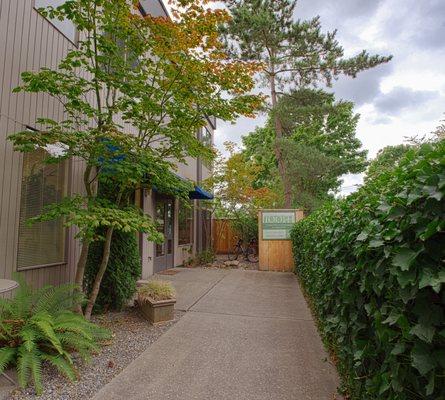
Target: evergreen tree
319,145
295,54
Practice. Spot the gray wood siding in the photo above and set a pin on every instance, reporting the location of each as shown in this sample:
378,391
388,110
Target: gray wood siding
27,42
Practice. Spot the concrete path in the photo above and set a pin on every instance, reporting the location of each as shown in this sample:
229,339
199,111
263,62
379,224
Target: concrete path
247,335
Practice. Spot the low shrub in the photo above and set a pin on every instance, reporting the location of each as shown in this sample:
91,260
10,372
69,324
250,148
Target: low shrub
38,326
124,269
373,268
245,226
204,257
156,290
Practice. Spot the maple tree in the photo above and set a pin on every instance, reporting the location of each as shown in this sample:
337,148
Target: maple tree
237,197
135,90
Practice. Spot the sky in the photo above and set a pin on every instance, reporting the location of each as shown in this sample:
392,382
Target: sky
401,99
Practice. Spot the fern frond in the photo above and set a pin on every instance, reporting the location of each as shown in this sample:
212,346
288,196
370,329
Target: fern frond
64,366
7,354
5,330
24,361
29,335
22,303
36,370
43,321
70,322
53,299
79,344
5,307
98,332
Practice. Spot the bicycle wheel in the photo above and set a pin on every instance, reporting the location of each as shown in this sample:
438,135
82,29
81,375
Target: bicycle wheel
234,255
252,254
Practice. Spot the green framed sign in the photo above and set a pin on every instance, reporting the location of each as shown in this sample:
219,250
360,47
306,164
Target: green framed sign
276,225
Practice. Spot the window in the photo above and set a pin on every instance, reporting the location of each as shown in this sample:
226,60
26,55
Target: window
206,139
185,219
206,136
66,27
42,243
152,7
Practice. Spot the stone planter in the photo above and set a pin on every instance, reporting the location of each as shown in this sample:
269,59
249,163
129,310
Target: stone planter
158,311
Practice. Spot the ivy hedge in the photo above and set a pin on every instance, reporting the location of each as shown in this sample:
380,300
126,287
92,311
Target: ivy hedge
372,265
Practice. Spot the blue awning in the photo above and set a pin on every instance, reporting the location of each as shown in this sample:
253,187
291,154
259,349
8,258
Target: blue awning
197,194
200,194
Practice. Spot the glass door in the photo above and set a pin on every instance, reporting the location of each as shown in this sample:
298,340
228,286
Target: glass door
164,210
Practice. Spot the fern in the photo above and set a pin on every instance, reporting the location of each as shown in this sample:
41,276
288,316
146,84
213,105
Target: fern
24,360
7,354
39,326
61,363
36,370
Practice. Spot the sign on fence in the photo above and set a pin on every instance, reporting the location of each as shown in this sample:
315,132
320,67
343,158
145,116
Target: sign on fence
274,245
277,224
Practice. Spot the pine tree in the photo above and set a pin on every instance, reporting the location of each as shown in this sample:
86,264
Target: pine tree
295,54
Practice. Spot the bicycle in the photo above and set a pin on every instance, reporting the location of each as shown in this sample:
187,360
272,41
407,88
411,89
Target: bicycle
249,251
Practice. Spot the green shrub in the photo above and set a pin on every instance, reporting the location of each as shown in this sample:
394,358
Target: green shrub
124,269
245,225
38,326
373,267
204,257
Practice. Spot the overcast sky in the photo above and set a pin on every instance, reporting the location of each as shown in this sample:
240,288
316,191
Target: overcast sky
403,98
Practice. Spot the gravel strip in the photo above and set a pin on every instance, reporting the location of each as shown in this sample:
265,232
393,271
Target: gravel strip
220,260
132,335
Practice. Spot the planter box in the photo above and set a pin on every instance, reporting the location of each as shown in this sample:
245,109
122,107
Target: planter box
158,311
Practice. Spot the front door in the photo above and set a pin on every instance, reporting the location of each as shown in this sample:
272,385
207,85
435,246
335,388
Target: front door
164,210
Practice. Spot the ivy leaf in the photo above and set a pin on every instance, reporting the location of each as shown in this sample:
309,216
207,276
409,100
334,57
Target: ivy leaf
406,278
440,357
362,236
428,278
423,332
430,387
392,318
376,243
421,359
399,348
404,258
432,228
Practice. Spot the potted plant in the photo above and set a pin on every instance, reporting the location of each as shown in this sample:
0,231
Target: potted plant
156,300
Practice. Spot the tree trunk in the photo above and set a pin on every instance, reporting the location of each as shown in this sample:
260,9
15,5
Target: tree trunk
80,270
100,274
279,135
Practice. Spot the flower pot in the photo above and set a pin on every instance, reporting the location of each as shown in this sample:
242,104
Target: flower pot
158,311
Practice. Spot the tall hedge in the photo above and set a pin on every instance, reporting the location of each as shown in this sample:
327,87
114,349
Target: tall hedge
373,267
124,269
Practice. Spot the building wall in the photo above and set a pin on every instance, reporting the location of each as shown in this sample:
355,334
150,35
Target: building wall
28,42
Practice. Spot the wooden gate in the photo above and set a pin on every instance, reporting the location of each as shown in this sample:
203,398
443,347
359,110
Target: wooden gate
224,238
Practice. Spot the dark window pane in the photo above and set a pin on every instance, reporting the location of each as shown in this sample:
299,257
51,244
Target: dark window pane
185,217
160,215
42,184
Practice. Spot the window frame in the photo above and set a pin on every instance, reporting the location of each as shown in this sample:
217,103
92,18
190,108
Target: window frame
64,261
74,41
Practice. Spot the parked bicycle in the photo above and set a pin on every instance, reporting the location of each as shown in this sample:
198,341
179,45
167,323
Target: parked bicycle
249,251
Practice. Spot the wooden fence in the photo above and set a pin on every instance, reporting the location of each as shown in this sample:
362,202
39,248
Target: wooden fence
224,238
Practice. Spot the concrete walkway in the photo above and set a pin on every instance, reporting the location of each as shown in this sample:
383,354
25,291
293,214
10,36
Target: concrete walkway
247,335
